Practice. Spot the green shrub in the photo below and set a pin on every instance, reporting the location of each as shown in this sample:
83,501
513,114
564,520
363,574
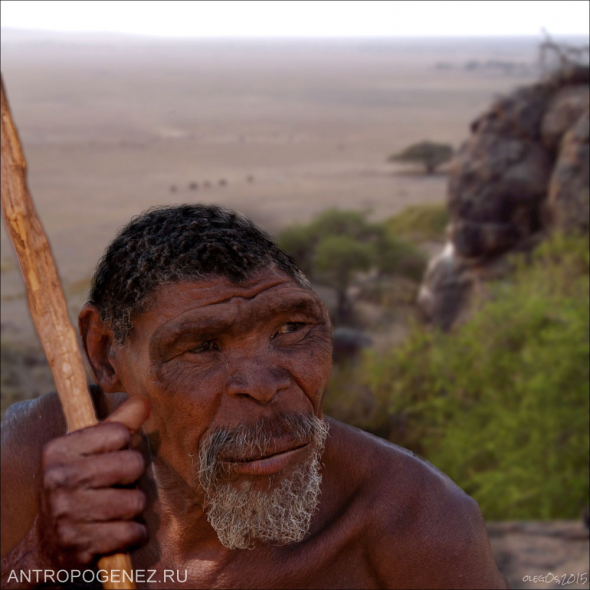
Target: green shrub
399,258
350,400
299,242
338,244
339,222
501,404
419,223
339,258
390,293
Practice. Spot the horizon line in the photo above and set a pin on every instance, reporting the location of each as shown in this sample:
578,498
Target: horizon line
359,36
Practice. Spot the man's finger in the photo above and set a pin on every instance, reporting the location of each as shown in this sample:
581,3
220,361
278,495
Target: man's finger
102,537
99,505
98,471
133,413
101,438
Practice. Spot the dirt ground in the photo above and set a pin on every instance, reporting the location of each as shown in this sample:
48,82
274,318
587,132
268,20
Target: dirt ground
555,553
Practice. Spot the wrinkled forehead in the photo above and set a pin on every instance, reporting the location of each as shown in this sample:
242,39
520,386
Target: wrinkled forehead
269,291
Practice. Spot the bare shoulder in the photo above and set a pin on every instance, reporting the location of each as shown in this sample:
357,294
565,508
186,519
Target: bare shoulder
422,530
27,426
26,421
389,471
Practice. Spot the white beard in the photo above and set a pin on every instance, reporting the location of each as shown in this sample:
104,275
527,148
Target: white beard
243,515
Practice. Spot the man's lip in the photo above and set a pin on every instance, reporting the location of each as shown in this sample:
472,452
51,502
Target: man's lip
268,464
277,447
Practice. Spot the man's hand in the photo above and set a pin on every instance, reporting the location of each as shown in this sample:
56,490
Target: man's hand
84,512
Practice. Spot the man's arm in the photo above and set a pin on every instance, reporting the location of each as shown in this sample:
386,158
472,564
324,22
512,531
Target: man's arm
68,492
24,557
27,426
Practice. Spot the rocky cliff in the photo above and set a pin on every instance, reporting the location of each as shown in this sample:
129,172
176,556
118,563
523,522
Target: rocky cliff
522,173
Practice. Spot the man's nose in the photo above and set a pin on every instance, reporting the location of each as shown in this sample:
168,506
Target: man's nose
257,380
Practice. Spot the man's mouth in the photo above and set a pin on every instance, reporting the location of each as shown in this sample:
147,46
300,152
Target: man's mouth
267,464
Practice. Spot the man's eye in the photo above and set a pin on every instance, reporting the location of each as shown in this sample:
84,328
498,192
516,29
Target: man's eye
290,327
206,346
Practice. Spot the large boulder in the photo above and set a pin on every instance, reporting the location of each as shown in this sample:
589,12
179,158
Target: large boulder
446,288
569,193
348,343
563,111
521,173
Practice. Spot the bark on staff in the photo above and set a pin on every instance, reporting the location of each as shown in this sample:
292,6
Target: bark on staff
47,304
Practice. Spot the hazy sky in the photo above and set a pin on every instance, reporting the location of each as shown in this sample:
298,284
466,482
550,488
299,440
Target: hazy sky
304,18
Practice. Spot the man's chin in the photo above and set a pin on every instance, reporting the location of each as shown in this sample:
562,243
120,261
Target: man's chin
245,515
270,500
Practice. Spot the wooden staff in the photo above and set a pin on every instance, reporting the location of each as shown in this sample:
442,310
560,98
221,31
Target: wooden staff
48,306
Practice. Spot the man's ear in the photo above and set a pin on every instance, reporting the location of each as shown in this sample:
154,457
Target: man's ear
97,339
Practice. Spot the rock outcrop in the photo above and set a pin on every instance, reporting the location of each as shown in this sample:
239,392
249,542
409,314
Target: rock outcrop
523,171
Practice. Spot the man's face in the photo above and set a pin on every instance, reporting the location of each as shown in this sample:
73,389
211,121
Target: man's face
235,375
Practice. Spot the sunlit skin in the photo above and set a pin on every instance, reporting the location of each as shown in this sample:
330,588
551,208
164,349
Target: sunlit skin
211,354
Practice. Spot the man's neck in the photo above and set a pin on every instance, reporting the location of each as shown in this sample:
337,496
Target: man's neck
175,513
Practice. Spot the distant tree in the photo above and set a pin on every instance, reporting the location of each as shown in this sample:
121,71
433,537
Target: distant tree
299,242
427,153
339,259
337,245
553,55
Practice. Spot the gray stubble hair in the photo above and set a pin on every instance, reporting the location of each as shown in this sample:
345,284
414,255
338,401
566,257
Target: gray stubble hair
242,515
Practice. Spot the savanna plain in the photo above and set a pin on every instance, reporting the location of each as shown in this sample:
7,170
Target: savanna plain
279,130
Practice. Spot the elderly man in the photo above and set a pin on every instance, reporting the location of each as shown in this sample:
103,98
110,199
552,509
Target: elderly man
212,355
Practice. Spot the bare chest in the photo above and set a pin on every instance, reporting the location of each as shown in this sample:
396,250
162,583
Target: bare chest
308,565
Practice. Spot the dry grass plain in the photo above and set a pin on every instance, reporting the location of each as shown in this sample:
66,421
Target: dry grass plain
279,130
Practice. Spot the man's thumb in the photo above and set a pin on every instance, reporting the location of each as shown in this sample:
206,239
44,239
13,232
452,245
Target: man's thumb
133,413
